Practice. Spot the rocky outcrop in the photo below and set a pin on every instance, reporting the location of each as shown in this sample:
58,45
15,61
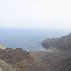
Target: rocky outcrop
17,58
62,43
13,55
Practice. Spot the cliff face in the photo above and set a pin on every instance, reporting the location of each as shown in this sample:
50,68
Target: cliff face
62,43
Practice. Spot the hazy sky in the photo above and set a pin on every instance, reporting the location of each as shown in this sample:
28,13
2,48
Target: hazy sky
35,14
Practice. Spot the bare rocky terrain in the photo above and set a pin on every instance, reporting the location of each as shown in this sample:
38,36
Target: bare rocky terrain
56,57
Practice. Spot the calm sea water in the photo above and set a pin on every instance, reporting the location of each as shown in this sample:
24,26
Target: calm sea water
28,39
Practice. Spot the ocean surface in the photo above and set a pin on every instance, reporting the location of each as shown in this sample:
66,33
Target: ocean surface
28,39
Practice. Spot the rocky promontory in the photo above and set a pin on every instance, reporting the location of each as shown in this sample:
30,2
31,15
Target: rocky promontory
61,43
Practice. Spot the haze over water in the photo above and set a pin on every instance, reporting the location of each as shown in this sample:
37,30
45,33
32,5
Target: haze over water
28,39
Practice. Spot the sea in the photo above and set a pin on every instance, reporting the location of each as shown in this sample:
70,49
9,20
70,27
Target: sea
27,39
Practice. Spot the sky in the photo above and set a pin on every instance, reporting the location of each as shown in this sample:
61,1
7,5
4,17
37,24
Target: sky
50,14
